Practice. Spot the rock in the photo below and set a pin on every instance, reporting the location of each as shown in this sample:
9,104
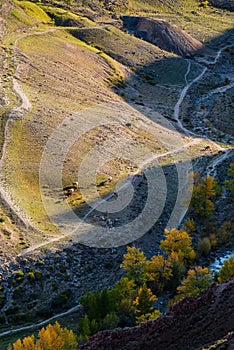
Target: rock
224,4
191,324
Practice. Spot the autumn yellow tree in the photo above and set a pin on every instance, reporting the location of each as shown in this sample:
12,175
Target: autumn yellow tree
159,271
227,270
134,264
144,305
198,279
28,343
202,202
189,225
180,243
53,337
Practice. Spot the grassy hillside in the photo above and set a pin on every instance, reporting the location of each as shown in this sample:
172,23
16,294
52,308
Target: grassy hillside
83,67
65,66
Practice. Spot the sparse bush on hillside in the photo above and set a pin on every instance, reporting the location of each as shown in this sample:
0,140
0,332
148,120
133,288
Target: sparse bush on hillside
31,276
203,3
19,275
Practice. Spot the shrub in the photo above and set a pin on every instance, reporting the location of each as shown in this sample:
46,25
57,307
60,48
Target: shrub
204,247
225,236
213,240
38,274
31,275
204,3
19,275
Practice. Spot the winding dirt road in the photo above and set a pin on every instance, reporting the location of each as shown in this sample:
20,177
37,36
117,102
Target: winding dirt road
211,169
26,106
40,324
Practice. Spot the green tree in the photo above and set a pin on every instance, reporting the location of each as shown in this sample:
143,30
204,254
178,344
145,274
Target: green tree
94,326
91,303
134,264
124,289
110,321
229,184
84,326
178,270
227,270
123,295
198,279
107,304
179,242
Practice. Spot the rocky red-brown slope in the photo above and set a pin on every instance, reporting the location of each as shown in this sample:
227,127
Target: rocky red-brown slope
191,324
166,36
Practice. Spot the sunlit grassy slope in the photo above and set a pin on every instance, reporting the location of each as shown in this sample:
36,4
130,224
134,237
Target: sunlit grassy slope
62,74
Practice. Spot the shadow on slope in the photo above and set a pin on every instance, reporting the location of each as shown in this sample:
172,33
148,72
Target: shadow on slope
205,85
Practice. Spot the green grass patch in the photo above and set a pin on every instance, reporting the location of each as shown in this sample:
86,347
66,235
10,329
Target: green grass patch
29,13
26,188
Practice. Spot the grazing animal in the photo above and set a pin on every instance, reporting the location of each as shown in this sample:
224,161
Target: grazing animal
102,183
207,148
70,191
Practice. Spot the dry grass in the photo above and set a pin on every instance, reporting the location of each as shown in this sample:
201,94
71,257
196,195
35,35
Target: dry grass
61,75
52,71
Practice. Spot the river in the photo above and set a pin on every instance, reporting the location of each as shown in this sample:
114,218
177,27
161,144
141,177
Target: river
221,255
